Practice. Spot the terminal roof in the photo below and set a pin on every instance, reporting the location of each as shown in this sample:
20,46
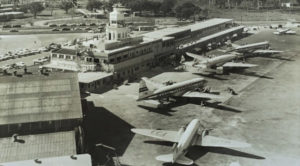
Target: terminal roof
193,27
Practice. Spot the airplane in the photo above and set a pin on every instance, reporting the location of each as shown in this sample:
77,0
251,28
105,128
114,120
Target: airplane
219,63
284,31
190,135
252,49
152,91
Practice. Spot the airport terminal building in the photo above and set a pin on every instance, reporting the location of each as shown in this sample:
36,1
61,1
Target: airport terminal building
126,56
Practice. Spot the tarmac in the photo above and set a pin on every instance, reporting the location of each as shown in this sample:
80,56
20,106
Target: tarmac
264,113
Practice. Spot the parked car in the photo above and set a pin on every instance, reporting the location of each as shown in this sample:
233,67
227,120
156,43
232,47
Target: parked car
55,29
93,24
17,26
63,25
40,61
20,65
6,26
6,67
88,29
82,24
52,25
78,29
36,51
13,30
66,29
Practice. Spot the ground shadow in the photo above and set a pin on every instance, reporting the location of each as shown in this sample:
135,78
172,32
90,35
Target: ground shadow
220,106
253,74
105,128
197,152
211,75
163,143
166,110
277,57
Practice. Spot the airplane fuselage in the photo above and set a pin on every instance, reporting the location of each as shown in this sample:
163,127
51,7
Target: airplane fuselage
177,89
186,139
220,60
252,47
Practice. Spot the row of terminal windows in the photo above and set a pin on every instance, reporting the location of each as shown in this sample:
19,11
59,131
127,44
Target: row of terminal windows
168,44
62,56
132,54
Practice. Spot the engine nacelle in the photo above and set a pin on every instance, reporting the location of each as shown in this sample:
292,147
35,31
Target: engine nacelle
220,70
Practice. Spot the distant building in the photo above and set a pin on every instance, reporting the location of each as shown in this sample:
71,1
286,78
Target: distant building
39,104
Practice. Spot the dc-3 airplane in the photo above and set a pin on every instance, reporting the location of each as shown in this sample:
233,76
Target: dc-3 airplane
153,91
219,63
259,48
284,31
188,136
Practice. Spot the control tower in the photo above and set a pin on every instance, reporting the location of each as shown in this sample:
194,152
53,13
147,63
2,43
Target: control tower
116,29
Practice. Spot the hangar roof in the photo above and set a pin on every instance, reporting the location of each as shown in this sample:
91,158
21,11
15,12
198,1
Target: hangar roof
74,160
34,98
37,146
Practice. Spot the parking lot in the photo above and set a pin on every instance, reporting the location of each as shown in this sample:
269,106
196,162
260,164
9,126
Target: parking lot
261,114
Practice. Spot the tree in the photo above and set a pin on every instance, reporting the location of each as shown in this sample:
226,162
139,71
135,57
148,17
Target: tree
24,8
66,5
35,8
186,10
94,4
167,6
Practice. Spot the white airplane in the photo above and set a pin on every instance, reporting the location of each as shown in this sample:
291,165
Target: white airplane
219,63
284,31
153,91
191,135
253,49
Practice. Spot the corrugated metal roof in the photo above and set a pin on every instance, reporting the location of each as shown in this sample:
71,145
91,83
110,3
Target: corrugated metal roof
37,146
34,98
75,160
89,77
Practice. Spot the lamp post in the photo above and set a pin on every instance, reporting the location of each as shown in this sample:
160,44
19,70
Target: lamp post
116,162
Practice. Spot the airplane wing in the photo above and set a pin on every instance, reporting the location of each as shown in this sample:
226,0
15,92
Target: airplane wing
172,136
212,141
267,51
237,65
201,95
197,57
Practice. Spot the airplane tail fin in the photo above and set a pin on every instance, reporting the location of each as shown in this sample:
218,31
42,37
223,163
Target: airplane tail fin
144,91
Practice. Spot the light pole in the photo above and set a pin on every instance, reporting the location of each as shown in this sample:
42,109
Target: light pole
116,162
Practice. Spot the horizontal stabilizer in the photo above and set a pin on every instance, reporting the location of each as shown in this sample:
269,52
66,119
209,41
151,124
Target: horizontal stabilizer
166,135
168,158
212,141
238,65
184,160
202,95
